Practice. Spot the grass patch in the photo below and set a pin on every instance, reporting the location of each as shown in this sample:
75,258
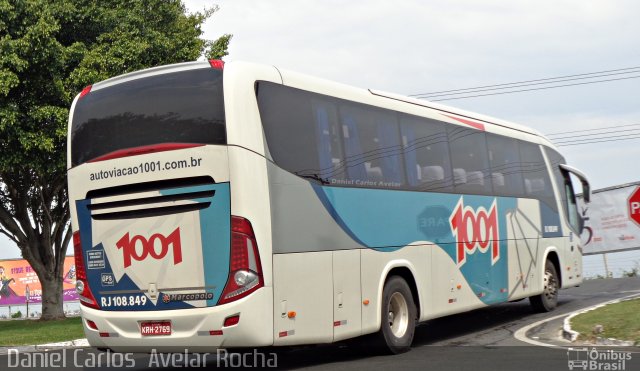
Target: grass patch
620,321
30,332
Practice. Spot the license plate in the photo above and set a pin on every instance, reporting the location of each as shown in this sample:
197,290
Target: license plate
155,328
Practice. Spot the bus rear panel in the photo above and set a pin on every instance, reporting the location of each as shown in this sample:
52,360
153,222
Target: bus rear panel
159,255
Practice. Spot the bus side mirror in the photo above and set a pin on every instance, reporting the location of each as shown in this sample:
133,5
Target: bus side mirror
586,191
586,188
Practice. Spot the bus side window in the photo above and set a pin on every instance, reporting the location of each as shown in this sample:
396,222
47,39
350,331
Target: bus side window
328,141
287,120
390,148
353,151
469,160
537,183
506,167
426,154
372,146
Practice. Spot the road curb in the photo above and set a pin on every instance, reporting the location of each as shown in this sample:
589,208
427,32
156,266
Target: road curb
571,335
78,343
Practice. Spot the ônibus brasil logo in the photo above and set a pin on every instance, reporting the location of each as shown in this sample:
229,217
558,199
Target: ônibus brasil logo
139,247
475,229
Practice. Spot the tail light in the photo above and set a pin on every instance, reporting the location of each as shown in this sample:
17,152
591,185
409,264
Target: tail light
82,285
218,64
85,91
92,325
245,270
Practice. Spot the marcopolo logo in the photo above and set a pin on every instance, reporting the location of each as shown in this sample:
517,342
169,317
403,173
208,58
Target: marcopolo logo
168,298
157,246
475,230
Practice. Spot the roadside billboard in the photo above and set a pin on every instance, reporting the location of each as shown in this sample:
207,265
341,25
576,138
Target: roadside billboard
18,281
614,219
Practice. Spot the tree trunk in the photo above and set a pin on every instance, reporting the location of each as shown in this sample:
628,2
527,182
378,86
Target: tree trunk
52,298
49,269
37,220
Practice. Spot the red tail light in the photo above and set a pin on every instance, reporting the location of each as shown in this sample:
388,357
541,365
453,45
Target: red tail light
85,91
217,64
82,285
92,325
231,321
245,270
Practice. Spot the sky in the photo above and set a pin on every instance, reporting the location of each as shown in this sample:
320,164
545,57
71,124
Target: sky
418,46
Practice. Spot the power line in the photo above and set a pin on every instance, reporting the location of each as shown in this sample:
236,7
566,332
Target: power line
595,134
533,89
596,141
601,135
589,139
581,131
527,81
518,85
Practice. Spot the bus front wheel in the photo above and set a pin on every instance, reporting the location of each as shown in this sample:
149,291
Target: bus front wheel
398,316
548,300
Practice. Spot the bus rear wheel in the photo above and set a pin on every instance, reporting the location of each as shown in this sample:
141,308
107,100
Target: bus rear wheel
398,316
548,300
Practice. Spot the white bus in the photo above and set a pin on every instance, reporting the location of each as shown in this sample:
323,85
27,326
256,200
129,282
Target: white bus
240,205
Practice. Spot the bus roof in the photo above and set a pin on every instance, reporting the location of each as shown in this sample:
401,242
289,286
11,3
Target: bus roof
341,90
456,111
323,86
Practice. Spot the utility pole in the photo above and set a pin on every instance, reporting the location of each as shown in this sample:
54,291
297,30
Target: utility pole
606,265
27,296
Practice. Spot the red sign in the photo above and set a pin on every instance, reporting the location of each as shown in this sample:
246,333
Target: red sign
148,246
475,229
634,206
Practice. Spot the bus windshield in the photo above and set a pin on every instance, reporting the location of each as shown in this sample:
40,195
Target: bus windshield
178,107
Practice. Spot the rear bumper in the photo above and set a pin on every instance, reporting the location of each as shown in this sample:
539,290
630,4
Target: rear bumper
190,327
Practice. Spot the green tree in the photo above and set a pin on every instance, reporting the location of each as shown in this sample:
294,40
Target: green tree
50,50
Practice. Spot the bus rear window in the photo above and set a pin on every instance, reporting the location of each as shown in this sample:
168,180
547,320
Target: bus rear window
179,107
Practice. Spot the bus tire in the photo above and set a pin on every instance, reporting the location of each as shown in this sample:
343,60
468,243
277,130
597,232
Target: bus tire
548,299
398,320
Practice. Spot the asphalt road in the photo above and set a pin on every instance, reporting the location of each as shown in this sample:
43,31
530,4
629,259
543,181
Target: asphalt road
479,340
